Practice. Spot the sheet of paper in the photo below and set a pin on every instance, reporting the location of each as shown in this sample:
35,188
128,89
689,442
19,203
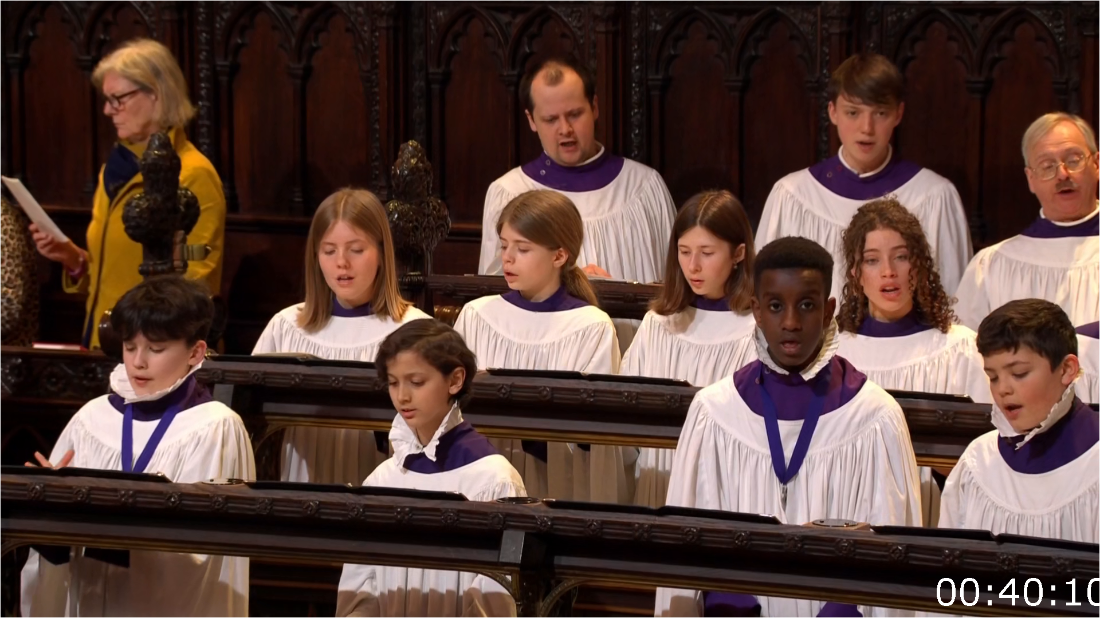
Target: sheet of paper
33,209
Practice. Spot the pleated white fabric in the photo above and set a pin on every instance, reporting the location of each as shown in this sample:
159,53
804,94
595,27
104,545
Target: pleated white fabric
699,346
208,441
1064,271
798,205
860,466
627,224
1088,384
983,493
505,336
330,455
371,590
928,362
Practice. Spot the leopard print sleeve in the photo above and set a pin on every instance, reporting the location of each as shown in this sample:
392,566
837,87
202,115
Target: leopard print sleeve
18,272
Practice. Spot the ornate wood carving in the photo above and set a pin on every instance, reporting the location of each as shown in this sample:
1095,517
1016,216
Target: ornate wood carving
681,551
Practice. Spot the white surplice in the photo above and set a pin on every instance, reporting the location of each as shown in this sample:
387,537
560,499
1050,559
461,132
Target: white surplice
927,362
372,590
1064,271
505,336
695,345
860,466
207,441
319,455
799,205
1088,384
983,492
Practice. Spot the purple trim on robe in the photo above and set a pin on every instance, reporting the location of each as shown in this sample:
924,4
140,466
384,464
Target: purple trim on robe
460,446
340,311
908,325
708,304
1045,228
189,394
1069,438
588,177
832,609
1091,331
558,301
792,394
730,604
842,181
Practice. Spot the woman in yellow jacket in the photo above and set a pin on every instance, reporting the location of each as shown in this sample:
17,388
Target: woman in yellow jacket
145,93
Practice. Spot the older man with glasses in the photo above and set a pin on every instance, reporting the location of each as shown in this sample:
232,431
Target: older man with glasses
1056,257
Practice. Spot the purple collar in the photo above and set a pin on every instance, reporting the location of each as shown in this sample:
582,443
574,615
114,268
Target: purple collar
792,394
908,325
189,394
339,311
1045,228
834,176
460,446
707,304
1091,331
558,301
588,177
1067,440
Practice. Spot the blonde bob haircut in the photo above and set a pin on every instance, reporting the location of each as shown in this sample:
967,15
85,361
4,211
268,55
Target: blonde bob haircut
551,220
1045,124
361,210
153,69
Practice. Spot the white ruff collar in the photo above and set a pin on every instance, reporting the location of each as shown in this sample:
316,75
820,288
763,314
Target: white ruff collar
405,442
824,357
120,384
1060,409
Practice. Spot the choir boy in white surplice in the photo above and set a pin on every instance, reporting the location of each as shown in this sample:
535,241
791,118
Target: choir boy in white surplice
1038,473
865,103
429,370
896,318
700,327
352,303
1057,258
626,207
1088,353
549,321
157,419
800,433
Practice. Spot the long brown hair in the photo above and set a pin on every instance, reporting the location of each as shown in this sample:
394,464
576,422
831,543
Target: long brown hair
721,214
551,220
362,210
932,304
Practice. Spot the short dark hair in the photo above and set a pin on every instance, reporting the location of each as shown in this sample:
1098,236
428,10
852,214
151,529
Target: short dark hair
794,252
1037,324
869,79
436,343
555,66
164,308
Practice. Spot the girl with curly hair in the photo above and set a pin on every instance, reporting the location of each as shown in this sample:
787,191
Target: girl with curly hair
898,326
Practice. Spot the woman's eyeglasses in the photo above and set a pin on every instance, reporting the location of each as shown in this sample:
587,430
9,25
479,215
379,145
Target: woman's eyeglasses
118,101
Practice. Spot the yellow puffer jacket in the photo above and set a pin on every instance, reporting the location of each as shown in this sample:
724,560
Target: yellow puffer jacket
113,258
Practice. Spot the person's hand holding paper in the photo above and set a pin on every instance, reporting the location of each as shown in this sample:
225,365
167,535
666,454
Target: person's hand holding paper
48,238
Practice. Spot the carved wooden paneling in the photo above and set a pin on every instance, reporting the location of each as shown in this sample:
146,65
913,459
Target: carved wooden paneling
297,99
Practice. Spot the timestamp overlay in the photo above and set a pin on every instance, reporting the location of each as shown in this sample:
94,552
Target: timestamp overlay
1047,595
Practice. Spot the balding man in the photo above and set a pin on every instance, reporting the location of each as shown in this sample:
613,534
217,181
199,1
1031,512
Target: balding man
1056,257
626,207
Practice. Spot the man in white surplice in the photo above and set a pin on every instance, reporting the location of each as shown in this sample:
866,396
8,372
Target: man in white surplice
626,207
1057,258
800,433
865,103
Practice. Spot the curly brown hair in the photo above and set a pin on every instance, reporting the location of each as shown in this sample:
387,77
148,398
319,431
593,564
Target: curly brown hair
932,304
